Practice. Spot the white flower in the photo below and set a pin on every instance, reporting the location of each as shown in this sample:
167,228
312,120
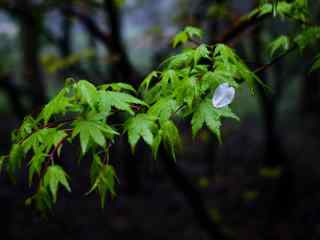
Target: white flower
223,95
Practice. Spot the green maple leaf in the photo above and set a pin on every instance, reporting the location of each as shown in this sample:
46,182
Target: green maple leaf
307,37
58,105
210,80
35,140
211,117
105,180
148,79
187,91
140,126
229,64
54,139
194,32
42,199
182,59
163,108
279,46
169,77
275,7
54,176
118,100
87,93
35,165
171,137
118,87
92,132
156,144
43,138
185,35
180,38
16,156
26,128
201,52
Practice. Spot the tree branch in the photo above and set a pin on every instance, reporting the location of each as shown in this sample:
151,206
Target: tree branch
89,24
240,26
274,61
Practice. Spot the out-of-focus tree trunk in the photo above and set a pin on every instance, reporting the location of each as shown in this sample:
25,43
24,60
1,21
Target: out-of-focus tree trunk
310,94
193,198
310,86
66,27
14,95
281,188
30,21
122,69
65,43
268,103
94,60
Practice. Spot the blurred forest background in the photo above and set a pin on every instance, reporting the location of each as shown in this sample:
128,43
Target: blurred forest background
261,183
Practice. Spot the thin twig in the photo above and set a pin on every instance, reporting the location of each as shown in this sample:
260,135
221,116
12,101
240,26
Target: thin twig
274,61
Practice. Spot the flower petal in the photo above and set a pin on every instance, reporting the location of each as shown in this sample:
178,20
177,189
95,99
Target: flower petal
223,95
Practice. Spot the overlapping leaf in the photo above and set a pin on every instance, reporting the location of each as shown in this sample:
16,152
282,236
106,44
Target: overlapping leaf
103,179
140,126
206,114
58,105
92,132
279,46
187,34
118,100
55,176
163,109
87,93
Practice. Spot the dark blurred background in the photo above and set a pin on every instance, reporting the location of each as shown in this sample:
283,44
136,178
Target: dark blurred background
261,183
